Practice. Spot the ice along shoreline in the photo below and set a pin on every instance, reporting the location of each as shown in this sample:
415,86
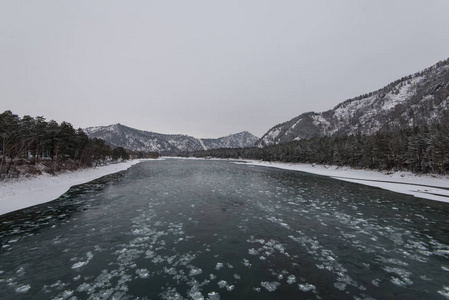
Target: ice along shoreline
431,187
26,192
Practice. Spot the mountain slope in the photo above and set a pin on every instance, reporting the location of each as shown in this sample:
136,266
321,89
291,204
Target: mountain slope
118,135
411,100
237,140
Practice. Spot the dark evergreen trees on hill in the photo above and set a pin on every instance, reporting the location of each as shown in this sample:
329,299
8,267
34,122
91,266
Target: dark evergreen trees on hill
32,140
119,153
423,149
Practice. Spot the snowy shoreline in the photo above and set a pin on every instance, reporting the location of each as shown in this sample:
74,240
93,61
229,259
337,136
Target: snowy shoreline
26,192
432,187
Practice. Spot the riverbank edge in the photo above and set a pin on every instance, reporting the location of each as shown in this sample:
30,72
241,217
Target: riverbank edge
24,192
431,187
427,186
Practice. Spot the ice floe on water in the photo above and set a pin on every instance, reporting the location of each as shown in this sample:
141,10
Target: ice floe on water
143,273
83,263
23,288
265,238
195,271
270,286
444,291
213,296
246,263
305,287
291,279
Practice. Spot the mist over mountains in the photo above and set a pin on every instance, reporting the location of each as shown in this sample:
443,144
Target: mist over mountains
119,135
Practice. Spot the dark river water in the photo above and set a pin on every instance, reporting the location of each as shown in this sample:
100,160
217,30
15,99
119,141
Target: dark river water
192,229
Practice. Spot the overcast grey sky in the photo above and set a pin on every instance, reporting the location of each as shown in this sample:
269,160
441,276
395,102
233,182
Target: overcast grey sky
208,68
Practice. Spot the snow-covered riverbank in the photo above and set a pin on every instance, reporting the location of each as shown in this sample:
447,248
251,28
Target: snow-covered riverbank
431,187
26,192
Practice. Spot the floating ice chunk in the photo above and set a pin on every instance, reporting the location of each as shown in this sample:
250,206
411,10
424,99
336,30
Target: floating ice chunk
219,266
291,279
340,285
23,289
237,276
212,276
444,292
158,259
270,286
393,261
230,288
20,271
306,287
404,280
170,271
143,273
79,264
246,263
213,296
445,268
253,251
196,295
171,259
67,294
83,263
84,287
397,281
442,252
194,272
222,284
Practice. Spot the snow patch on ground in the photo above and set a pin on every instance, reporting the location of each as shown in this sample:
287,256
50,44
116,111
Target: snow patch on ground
26,192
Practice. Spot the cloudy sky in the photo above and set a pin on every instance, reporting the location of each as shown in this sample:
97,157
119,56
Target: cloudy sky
208,68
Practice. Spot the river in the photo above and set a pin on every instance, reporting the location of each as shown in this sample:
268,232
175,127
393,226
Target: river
198,229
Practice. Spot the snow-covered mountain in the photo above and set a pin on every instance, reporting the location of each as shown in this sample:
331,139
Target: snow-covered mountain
119,135
411,100
237,140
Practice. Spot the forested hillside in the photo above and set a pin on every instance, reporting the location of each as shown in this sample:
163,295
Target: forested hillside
423,149
32,145
413,100
403,126
118,135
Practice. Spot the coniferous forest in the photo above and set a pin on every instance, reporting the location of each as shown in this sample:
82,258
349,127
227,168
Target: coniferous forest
32,145
419,149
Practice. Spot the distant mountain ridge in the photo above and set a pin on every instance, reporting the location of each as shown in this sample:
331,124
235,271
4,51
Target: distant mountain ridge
412,100
118,135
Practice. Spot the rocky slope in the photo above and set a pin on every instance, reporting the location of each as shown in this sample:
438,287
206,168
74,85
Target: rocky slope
119,135
411,100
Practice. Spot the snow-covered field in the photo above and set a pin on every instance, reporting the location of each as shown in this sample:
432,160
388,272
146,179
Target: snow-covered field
26,192
431,187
